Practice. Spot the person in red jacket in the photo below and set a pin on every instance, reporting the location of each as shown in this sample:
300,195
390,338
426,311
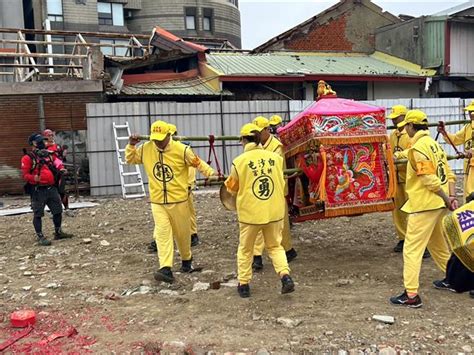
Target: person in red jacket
60,153
41,170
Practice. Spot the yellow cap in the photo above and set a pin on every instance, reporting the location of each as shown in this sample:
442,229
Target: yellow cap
261,122
397,111
173,128
249,129
159,130
470,107
275,120
415,117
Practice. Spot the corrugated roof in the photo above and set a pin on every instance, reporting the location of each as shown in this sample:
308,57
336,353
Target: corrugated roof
319,63
185,87
455,9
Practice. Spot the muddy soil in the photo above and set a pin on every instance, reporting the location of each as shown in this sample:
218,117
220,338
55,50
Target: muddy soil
101,283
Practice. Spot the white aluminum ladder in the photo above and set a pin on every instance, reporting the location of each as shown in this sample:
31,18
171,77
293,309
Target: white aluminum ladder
130,176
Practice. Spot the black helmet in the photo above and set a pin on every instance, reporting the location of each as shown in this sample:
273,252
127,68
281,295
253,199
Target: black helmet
35,137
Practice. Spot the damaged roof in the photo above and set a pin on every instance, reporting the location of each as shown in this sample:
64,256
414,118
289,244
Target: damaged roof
184,87
314,63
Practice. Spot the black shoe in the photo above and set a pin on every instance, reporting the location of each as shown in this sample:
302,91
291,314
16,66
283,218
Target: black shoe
186,266
291,255
243,290
152,247
194,240
257,263
471,293
426,254
399,247
287,284
62,235
443,285
43,241
164,274
404,300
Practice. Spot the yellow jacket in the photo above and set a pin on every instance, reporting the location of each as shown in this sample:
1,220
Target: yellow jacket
400,142
167,169
257,179
192,177
428,171
274,145
464,136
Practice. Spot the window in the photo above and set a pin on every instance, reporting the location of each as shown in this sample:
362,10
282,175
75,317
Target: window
207,19
190,18
114,51
55,10
110,14
234,2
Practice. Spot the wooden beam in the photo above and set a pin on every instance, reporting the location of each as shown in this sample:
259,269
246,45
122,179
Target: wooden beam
41,55
12,65
75,33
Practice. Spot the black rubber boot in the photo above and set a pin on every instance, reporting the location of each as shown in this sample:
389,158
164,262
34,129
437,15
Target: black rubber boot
194,240
243,290
287,284
186,266
257,264
164,274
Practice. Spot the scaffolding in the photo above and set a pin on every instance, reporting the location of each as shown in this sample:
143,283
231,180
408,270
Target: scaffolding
33,54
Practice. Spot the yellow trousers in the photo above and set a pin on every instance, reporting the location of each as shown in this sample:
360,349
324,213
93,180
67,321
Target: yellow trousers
172,220
272,239
286,236
424,230
192,213
469,182
400,218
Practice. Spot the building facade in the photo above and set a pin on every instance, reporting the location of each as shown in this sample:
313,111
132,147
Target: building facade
213,22
443,41
202,19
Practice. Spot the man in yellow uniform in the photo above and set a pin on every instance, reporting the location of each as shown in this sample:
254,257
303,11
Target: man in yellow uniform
272,144
275,122
257,179
399,142
430,189
167,163
192,183
465,137
191,187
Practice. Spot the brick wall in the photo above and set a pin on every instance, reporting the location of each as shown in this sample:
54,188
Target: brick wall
20,118
349,27
330,36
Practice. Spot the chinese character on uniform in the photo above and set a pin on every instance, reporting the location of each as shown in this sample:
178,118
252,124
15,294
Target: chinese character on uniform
264,187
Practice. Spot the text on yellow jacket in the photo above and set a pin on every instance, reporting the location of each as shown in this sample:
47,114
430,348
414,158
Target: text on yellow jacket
257,179
428,171
167,169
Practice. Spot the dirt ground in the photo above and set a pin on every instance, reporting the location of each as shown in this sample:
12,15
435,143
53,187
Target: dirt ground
345,272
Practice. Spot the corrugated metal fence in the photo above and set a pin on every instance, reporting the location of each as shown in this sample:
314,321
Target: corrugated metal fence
217,118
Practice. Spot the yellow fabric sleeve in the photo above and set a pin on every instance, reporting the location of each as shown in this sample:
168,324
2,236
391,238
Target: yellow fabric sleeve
451,176
196,162
232,182
425,170
457,138
133,154
401,155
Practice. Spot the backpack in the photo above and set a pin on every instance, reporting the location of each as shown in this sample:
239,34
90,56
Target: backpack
41,161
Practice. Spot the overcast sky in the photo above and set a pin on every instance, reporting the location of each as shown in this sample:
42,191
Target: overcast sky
264,19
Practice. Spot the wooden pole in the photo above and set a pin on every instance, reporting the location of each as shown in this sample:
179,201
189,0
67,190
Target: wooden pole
197,138
450,123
